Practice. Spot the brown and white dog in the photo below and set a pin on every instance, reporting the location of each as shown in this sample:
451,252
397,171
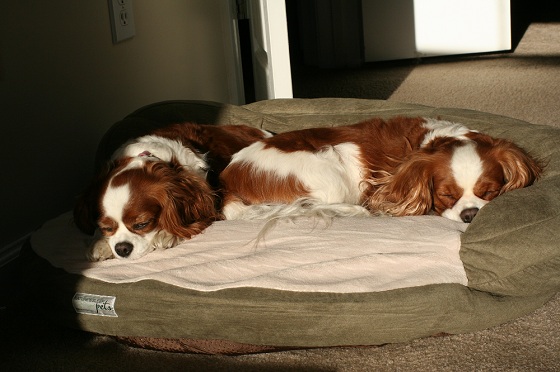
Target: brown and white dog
402,166
156,191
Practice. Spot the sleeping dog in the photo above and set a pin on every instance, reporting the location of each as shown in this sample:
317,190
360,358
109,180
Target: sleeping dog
402,166
155,192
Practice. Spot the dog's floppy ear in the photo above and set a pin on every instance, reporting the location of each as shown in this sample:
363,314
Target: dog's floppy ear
520,169
86,208
85,213
189,204
407,192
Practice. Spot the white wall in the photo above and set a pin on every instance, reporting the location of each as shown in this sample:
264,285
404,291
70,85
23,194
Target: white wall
63,83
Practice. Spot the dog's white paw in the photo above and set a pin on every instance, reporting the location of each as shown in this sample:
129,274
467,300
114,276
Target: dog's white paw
99,251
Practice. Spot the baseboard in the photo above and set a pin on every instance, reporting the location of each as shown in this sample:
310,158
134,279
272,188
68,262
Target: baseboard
10,252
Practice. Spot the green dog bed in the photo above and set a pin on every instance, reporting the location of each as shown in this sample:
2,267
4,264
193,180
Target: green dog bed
408,277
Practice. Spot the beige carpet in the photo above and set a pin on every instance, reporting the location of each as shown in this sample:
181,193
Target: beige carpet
524,84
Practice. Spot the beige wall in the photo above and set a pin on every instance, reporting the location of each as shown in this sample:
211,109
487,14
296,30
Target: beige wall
63,83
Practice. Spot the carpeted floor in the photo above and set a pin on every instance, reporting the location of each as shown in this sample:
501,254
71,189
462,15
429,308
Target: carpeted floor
524,84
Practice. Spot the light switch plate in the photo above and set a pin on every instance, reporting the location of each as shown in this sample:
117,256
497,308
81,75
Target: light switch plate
122,20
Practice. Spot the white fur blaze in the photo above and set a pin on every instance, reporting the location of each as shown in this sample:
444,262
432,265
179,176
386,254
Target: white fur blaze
466,167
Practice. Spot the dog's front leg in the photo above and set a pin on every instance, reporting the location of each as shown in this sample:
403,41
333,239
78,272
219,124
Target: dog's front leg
99,250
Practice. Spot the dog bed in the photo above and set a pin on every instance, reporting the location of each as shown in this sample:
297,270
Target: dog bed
354,281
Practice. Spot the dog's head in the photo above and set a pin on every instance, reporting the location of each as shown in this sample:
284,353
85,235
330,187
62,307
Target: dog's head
143,203
456,177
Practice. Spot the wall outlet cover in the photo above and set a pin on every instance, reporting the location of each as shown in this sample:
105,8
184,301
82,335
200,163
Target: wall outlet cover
122,20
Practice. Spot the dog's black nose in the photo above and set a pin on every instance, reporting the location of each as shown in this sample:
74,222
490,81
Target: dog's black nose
124,249
468,214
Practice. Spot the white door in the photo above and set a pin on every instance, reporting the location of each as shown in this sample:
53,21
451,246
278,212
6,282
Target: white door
271,53
400,29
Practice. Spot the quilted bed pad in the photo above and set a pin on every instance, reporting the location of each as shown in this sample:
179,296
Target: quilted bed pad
345,255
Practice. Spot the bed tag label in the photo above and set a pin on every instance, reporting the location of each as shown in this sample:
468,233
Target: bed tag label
92,304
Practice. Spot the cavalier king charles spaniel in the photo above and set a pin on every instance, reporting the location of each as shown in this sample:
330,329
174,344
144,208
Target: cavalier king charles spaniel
157,190
400,167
